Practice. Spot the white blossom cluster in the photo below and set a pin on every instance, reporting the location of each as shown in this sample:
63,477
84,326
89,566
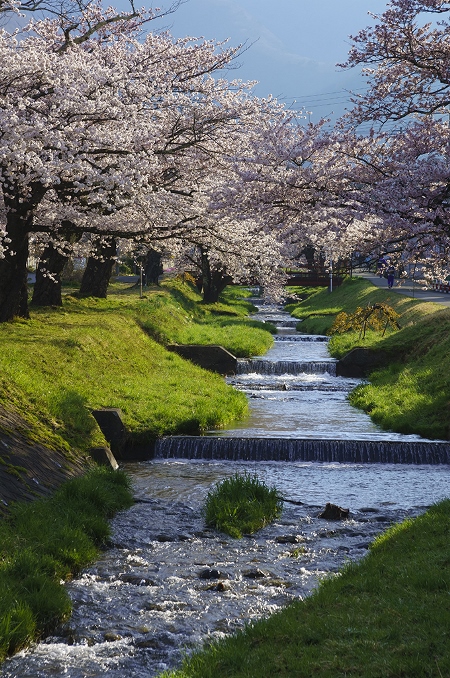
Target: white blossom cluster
106,133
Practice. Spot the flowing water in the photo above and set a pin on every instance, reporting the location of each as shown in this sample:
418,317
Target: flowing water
168,583
299,410
294,391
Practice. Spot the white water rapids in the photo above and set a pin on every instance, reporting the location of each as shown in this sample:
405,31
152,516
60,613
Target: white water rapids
167,583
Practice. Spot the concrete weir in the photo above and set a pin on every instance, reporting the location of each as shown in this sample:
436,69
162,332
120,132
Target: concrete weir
288,449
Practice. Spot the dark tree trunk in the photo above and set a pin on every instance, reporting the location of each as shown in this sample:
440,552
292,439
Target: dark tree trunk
13,267
47,289
14,277
213,281
153,267
315,259
219,281
98,269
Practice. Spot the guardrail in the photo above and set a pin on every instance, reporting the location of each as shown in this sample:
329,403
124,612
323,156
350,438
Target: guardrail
311,279
441,287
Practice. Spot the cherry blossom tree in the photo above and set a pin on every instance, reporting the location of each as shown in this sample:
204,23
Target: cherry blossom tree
298,184
196,216
235,233
405,56
405,172
88,127
67,11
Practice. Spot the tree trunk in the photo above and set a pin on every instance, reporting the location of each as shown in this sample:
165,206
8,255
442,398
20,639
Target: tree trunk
14,275
13,267
316,261
98,269
213,281
153,267
13,271
47,288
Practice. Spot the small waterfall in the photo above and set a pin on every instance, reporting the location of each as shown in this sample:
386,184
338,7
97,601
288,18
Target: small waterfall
286,385
279,322
286,449
259,366
301,337
300,412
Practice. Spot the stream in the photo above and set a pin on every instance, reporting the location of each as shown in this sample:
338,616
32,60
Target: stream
167,583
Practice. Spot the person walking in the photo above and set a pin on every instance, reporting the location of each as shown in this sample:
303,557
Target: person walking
390,276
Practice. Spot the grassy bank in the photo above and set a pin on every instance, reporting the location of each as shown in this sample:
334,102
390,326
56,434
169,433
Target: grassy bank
385,617
388,615
49,540
411,393
94,353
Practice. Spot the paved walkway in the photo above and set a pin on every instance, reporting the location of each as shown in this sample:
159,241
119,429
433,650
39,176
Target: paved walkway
408,288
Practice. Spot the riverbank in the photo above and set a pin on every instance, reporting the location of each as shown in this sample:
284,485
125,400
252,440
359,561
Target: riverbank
384,617
58,367
63,363
50,540
408,392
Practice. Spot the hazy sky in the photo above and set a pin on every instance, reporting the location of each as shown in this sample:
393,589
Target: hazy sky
294,45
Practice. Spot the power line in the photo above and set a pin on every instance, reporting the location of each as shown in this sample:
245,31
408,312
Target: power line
325,94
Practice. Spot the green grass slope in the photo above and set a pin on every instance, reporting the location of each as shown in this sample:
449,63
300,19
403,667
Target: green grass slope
94,353
412,393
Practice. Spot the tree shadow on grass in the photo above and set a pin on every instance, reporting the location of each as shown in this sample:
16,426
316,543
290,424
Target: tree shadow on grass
72,409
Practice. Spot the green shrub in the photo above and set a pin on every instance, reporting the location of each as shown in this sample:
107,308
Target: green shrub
373,316
241,505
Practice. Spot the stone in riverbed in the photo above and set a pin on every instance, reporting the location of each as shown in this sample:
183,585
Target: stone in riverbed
289,539
111,637
255,573
220,587
333,512
137,580
212,573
